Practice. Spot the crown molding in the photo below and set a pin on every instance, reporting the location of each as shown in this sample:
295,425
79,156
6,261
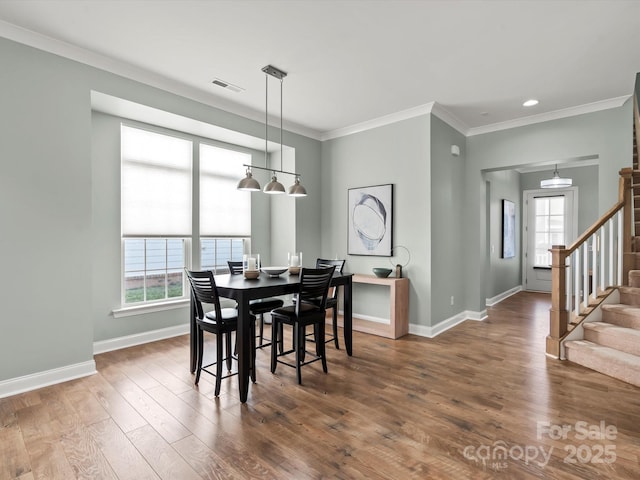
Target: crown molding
555,115
117,67
450,119
124,69
379,122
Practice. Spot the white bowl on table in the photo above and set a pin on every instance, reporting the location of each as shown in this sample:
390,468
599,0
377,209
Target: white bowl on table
274,271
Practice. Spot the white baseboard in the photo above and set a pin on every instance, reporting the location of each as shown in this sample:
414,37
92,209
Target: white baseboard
490,302
14,386
431,332
368,318
17,385
139,338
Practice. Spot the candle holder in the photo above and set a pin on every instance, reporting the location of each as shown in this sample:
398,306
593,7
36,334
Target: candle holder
251,265
294,260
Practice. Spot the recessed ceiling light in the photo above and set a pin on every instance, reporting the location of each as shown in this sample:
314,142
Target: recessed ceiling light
530,103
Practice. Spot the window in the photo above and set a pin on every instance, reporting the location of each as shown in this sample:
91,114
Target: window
549,224
156,202
153,269
159,175
215,252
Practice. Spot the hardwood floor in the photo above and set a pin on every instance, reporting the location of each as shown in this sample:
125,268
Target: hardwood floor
468,404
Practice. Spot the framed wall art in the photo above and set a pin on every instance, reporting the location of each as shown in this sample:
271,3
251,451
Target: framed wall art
508,229
370,217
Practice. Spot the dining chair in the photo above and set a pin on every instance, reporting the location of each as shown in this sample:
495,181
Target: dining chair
309,309
332,299
259,306
222,322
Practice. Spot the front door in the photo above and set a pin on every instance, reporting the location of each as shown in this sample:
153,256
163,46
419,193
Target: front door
550,218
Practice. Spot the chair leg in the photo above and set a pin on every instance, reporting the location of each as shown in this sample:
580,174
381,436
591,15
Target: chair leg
318,337
261,327
280,335
229,356
335,327
219,359
252,364
200,335
321,345
275,343
298,337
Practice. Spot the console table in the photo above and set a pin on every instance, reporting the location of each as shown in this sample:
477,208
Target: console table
399,308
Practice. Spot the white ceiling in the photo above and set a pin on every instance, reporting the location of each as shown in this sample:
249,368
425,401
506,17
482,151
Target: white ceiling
351,62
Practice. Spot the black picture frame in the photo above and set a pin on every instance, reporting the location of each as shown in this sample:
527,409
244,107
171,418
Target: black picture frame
508,229
370,220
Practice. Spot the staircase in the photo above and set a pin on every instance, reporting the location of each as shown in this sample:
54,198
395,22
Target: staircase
612,346
586,326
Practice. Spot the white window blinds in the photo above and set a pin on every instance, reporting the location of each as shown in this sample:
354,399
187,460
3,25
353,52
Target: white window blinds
156,184
224,211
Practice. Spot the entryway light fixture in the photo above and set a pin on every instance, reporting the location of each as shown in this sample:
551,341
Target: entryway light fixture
274,186
556,181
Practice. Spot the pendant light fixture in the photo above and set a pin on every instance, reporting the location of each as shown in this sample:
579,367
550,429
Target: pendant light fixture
274,186
556,181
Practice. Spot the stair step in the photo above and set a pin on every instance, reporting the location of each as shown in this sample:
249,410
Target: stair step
622,315
609,335
630,296
621,365
634,278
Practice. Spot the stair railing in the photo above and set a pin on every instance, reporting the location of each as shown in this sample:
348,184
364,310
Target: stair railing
598,260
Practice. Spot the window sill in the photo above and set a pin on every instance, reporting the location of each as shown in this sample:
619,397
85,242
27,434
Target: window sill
150,308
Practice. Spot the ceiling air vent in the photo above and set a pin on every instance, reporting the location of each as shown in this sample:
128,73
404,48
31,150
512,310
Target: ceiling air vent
227,85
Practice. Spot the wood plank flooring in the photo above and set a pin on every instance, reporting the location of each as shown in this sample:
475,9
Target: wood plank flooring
480,401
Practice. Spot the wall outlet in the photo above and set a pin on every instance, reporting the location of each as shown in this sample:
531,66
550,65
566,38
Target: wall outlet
452,302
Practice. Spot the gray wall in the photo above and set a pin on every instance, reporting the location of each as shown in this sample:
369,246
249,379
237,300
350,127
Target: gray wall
504,273
398,154
606,134
49,224
447,228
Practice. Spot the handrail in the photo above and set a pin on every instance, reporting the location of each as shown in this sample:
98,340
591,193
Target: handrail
594,228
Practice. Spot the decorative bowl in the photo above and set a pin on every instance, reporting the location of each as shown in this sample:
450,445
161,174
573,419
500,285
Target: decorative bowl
381,272
251,274
294,270
274,271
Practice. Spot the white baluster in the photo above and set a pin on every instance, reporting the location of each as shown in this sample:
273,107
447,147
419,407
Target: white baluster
603,257
585,274
611,251
576,256
594,266
620,239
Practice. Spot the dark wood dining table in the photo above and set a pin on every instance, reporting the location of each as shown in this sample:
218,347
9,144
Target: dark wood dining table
243,290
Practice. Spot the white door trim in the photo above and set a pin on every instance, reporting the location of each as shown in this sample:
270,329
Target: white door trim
545,192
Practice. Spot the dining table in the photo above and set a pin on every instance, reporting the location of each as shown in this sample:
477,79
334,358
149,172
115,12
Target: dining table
243,290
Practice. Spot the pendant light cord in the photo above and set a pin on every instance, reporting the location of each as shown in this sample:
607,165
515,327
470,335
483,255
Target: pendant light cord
281,151
266,117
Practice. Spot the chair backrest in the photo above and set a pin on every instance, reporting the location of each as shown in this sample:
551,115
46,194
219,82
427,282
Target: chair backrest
314,286
324,263
203,290
234,267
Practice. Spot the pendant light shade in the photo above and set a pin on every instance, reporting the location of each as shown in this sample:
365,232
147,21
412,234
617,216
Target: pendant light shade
297,190
556,181
248,183
274,187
